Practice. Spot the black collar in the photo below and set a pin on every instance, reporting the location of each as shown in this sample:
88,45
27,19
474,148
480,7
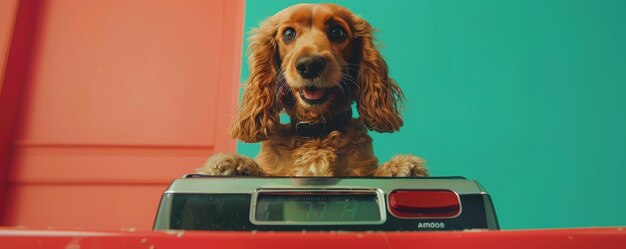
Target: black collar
321,129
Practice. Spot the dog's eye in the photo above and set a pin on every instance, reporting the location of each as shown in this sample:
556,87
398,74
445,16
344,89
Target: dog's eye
289,34
336,33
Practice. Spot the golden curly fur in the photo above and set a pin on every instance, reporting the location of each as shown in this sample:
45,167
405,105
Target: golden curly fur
283,79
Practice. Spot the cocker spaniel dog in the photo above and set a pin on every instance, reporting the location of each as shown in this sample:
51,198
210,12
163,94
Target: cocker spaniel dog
312,61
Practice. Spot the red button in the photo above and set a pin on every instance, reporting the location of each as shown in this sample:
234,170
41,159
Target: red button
424,204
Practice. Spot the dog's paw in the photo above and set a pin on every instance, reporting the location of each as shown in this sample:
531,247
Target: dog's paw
403,165
230,165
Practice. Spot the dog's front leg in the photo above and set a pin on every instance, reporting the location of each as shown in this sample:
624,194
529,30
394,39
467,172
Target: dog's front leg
311,160
403,165
230,165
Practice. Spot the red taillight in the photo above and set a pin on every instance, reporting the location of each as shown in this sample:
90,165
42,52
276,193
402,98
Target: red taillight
424,204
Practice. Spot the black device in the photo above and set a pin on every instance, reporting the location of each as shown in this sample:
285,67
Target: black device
201,202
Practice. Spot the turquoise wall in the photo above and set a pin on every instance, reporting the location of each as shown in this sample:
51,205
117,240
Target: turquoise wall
528,97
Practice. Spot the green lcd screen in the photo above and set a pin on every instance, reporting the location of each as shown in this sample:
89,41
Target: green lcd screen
318,207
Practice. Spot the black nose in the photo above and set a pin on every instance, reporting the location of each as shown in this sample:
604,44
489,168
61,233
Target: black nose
310,67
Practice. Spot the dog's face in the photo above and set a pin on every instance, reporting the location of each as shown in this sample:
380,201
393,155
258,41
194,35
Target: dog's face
313,61
315,51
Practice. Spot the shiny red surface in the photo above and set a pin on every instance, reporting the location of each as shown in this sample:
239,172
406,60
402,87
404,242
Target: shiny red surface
536,239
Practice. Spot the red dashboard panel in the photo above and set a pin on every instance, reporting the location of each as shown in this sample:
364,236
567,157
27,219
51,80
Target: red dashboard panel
558,238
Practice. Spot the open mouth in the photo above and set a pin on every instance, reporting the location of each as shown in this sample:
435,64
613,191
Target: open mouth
313,96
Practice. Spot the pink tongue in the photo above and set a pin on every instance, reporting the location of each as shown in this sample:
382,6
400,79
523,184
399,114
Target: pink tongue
313,94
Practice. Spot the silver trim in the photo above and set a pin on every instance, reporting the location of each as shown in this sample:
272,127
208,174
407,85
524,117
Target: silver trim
246,185
162,221
490,213
380,196
426,218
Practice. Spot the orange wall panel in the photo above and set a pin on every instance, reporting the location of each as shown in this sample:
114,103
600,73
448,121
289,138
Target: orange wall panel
125,72
118,98
97,164
70,206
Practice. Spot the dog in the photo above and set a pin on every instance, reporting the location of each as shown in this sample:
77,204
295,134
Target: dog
312,62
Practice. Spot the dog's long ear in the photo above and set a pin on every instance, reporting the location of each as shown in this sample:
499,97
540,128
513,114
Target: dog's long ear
257,117
378,97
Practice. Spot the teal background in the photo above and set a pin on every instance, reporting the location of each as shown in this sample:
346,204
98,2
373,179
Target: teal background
528,97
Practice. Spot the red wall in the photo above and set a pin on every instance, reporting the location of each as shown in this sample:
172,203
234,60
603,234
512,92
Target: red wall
112,100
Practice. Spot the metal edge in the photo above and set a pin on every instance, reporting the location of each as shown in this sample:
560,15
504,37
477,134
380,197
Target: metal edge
247,185
490,213
162,219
